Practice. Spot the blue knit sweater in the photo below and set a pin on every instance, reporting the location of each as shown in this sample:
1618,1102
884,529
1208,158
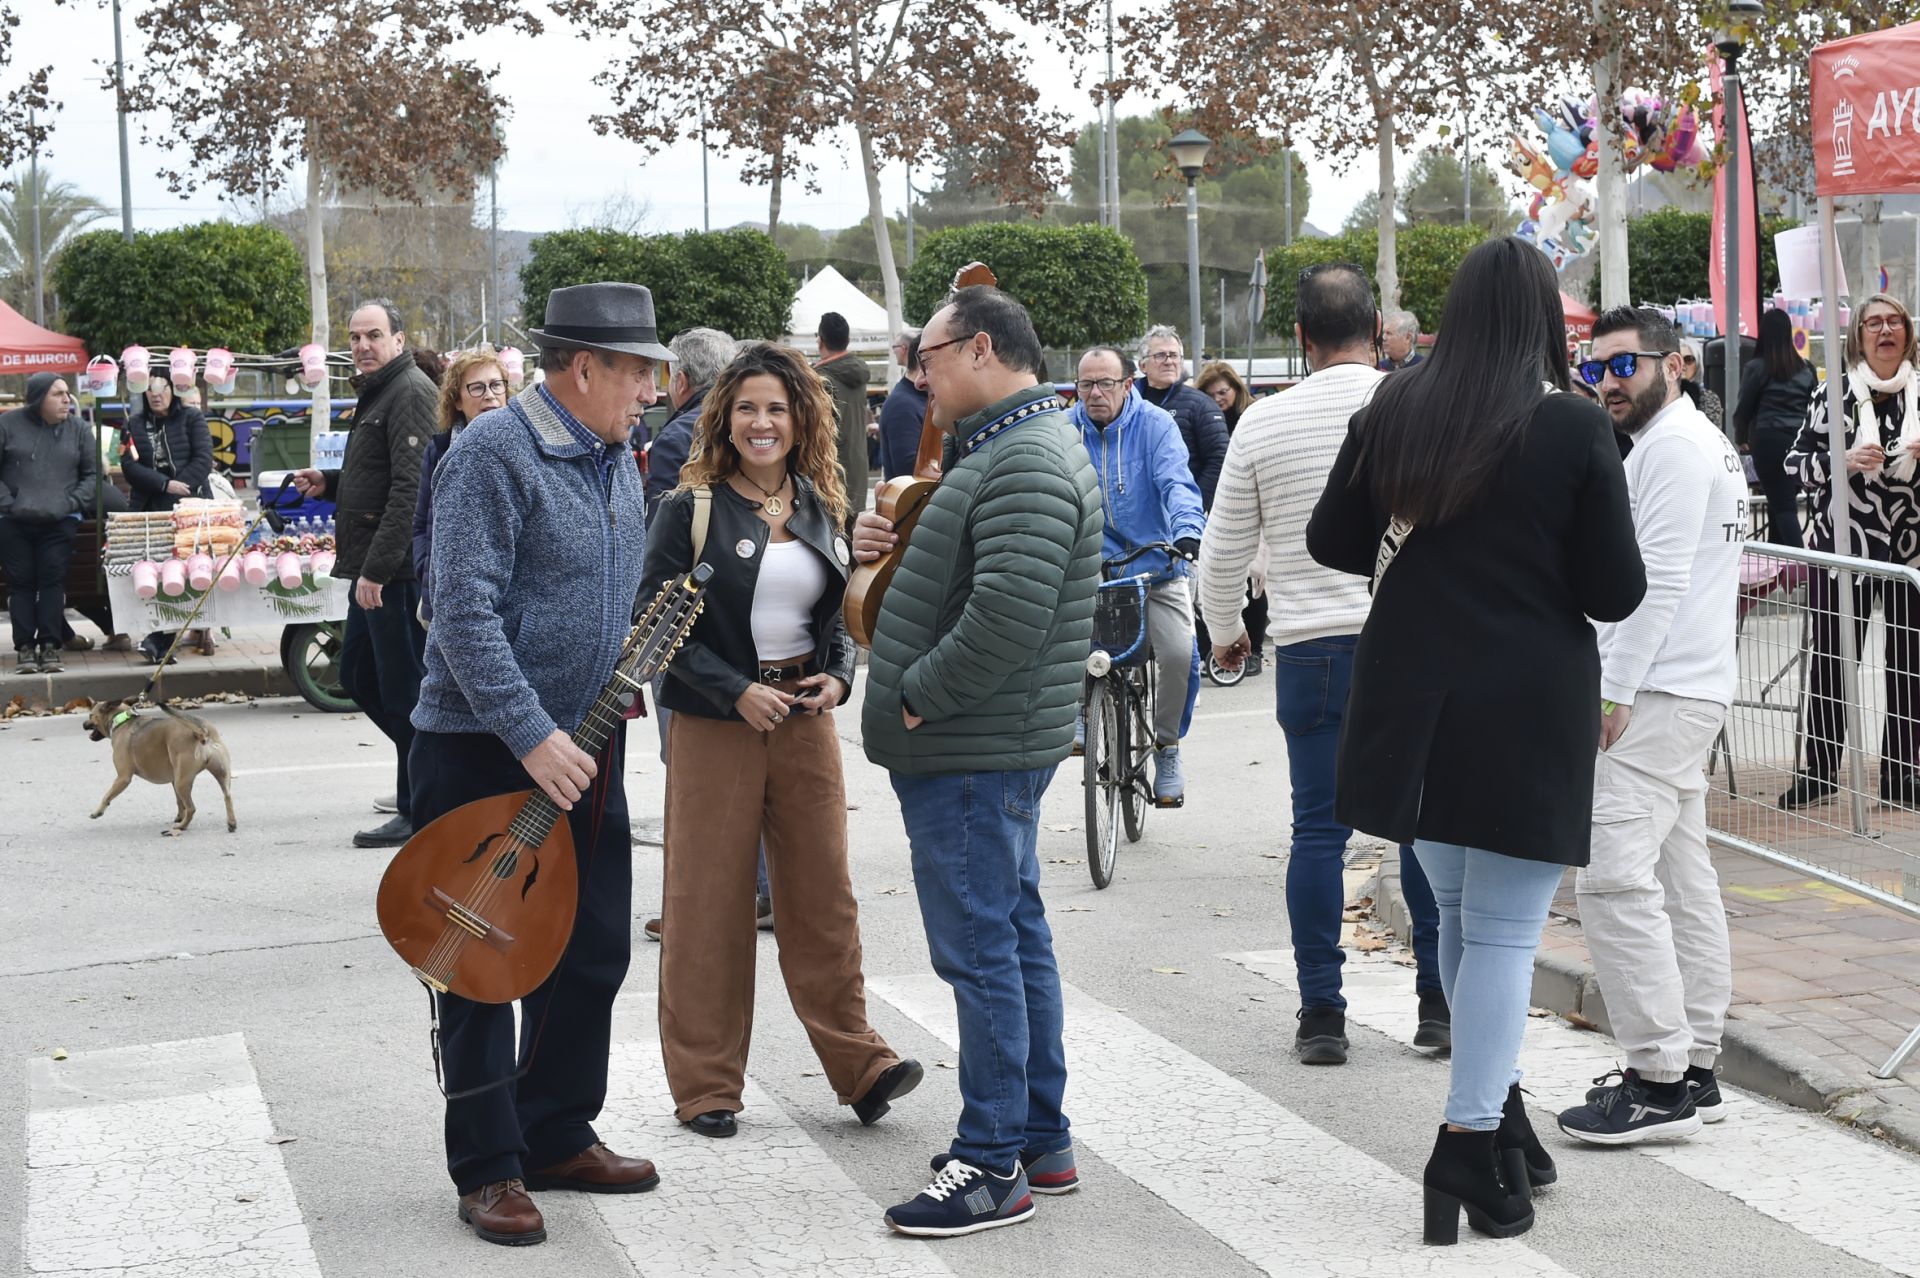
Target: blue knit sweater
537,550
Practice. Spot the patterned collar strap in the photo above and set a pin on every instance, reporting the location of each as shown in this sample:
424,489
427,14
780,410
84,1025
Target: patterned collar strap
1013,417
125,716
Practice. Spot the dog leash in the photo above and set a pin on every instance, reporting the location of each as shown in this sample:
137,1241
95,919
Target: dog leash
269,514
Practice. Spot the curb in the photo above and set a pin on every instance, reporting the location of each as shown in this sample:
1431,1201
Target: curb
183,680
1750,1058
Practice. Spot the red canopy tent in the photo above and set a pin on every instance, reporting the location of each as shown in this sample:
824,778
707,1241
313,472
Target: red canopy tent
25,347
1580,317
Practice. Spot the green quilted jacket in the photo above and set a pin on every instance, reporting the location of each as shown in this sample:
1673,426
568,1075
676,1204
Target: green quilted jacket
985,629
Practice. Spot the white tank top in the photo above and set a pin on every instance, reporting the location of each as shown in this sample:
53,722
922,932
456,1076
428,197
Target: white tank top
792,579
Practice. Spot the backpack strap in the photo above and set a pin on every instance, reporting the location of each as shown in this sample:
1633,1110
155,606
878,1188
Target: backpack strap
702,516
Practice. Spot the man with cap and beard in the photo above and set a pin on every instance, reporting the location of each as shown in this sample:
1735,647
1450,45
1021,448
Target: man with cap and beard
47,471
538,514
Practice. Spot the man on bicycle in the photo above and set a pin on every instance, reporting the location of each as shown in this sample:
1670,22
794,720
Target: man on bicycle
1150,496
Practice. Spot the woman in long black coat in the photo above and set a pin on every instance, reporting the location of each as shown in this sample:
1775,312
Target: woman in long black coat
1474,712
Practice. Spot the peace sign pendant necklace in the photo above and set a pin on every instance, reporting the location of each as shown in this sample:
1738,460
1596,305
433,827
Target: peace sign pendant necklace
774,504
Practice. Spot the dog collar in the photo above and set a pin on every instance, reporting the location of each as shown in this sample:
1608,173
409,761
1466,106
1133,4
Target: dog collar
125,716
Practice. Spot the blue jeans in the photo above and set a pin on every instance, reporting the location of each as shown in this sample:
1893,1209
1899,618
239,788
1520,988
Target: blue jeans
1492,908
1310,695
977,873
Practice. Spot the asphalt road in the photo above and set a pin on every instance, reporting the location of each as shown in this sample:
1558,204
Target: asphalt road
1203,1146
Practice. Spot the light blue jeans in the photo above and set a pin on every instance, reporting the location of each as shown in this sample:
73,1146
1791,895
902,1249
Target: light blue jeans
1492,908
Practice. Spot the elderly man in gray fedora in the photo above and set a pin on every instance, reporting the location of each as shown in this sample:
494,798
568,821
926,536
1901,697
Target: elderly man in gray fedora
538,533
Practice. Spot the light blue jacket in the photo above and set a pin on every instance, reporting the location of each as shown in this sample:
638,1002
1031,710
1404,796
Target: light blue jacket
1147,481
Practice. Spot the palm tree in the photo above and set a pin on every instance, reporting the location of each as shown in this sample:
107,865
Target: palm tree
64,211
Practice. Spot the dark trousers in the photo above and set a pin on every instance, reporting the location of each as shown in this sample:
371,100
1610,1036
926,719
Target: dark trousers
35,556
566,1026
1770,446
1310,682
382,657
1826,705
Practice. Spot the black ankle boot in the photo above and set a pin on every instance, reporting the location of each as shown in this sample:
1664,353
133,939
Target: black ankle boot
1516,1135
1465,1173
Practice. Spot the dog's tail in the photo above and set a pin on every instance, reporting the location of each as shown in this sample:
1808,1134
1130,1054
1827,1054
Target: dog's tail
199,729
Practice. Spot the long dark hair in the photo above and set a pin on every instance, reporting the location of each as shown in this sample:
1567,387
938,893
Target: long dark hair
1776,347
1433,435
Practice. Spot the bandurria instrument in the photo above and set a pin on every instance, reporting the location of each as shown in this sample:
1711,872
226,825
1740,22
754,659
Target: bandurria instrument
481,902
900,501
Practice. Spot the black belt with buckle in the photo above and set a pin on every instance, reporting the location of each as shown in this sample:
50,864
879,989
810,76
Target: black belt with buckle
793,670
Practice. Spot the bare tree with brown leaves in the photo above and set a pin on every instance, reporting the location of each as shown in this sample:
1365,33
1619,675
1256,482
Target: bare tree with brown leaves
25,108
1344,77
364,97
911,79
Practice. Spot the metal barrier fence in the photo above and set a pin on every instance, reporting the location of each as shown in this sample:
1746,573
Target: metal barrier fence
1818,767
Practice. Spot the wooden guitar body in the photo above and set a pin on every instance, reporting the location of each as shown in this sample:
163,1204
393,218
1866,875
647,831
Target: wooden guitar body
475,912
898,500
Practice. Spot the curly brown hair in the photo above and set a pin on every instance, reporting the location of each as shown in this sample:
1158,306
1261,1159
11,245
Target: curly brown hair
460,366
712,458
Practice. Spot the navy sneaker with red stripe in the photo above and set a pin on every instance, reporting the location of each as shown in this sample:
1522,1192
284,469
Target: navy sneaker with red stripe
1050,1173
963,1199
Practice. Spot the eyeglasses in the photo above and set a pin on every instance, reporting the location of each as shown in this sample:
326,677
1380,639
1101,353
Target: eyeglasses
480,390
921,360
1884,323
1162,357
1623,365
1105,385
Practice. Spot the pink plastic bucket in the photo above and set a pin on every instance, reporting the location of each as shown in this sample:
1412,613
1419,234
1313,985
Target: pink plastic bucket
180,365
313,365
253,566
200,571
322,564
287,569
138,364
146,578
230,575
173,577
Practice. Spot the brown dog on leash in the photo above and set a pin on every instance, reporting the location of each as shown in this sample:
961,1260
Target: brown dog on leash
174,750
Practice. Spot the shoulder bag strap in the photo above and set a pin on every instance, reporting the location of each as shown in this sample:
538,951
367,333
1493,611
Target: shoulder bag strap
702,516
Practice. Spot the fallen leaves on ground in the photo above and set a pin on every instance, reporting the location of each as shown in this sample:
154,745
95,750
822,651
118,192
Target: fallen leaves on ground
1076,909
1580,1022
1063,829
59,1053
1171,971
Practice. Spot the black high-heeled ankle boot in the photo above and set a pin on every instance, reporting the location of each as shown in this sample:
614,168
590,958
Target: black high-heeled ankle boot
1515,1135
1465,1173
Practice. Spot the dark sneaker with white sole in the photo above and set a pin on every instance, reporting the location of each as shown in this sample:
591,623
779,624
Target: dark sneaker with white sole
1633,1111
963,1199
1705,1087
1322,1036
1047,1173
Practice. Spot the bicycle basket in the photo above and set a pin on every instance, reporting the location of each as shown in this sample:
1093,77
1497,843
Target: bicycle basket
1120,620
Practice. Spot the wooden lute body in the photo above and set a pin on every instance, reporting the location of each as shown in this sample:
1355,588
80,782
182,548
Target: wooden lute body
481,902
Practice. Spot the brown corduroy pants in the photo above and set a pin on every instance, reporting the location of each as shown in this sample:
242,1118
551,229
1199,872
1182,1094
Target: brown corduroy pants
728,786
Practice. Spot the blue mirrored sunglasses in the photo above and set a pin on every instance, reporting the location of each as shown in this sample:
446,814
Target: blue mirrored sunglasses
1623,365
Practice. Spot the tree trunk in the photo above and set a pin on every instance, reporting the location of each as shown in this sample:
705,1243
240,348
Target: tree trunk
317,289
882,240
1610,183
1867,282
1386,264
773,199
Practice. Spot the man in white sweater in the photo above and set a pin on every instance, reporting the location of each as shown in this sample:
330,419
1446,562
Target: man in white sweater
1276,468
1650,900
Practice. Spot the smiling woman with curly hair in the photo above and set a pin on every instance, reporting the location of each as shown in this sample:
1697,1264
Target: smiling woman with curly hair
751,750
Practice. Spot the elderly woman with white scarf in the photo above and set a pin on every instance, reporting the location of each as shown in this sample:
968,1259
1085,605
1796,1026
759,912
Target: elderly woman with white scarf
1883,456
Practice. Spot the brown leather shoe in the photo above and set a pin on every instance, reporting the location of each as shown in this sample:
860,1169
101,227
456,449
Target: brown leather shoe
597,1170
502,1213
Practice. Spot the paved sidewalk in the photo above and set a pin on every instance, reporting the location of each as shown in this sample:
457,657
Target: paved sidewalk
1826,985
247,662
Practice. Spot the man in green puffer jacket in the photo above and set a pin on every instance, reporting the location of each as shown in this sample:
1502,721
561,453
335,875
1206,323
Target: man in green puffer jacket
978,658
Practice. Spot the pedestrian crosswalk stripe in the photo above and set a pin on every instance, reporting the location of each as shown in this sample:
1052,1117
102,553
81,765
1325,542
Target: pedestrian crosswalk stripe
156,1161
1262,1187
1835,1187
767,1200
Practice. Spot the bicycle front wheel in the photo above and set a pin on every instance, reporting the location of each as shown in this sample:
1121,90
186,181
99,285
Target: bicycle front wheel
1136,740
1104,770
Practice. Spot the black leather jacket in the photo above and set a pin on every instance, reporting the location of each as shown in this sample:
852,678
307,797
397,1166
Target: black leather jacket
719,662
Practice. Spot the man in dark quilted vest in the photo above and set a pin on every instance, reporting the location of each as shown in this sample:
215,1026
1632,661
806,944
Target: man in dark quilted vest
978,658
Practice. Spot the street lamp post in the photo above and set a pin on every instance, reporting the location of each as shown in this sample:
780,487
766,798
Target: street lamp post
1741,17
1189,149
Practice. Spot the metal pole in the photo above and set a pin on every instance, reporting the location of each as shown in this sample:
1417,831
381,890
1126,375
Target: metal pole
909,215
1193,268
1100,119
1223,314
120,109
1466,167
1839,512
39,261
493,250
1113,130
1730,362
706,210
1286,154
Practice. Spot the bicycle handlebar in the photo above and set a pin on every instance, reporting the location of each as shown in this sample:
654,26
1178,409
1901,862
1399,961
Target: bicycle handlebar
1121,561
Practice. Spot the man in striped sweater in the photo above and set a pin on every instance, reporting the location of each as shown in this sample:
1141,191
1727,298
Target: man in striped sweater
1276,467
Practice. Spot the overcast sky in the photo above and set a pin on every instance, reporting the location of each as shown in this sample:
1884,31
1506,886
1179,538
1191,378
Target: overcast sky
558,171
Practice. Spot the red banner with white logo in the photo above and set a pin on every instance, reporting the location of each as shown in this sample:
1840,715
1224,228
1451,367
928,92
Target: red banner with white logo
1866,113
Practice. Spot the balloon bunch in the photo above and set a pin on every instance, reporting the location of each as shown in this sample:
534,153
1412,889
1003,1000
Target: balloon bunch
1663,135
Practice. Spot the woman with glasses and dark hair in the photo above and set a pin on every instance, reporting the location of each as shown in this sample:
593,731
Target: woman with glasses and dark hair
1489,505
1775,388
472,383
1882,451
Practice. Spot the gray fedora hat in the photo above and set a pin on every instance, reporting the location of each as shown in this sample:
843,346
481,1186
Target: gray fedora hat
602,317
